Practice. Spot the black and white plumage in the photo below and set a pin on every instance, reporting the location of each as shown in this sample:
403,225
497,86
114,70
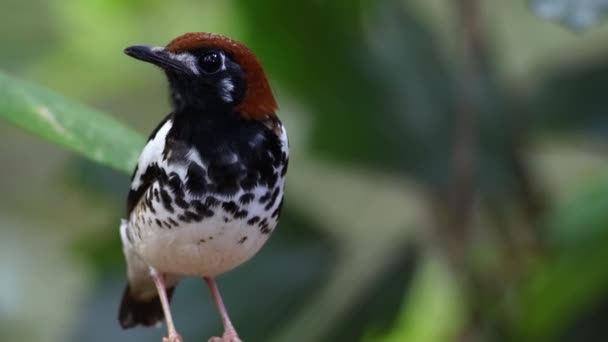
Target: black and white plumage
208,188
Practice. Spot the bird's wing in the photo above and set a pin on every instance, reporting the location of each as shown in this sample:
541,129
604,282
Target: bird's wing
140,304
146,173
147,170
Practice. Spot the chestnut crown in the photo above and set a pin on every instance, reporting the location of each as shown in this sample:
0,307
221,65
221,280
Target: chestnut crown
212,72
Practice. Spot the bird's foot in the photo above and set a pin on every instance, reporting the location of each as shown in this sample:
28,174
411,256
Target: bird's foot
173,338
228,337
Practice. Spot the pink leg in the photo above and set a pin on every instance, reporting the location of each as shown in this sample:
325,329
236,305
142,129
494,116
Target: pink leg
159,281
230,334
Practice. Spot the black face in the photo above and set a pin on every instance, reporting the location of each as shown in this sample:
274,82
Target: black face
204,78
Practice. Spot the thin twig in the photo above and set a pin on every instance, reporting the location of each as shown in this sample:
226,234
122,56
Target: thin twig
465,149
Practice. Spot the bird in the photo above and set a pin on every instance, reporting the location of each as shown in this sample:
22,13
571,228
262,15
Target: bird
207,190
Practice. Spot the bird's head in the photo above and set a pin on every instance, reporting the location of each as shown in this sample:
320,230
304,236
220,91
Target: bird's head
211,71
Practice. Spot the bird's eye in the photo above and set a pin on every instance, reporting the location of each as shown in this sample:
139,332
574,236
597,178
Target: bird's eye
211,62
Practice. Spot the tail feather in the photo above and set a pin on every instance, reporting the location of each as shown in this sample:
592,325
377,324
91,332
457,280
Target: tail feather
135,311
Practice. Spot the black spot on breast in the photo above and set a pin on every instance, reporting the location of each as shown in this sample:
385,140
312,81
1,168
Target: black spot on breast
162,176
230,207
226,219
152,173
264,229
275,194
225,175
263,223
272,180
156,197
243,239
266,172
193,216
196,183
201,241
177,187
149,204
211,201
250,181
183,218
277,212
246,198
253,220
284,167
173,222
202,209
181,202
166,200
175,184
158,223
241,214
265,197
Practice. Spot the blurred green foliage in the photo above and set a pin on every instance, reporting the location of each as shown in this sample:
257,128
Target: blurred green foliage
447,183
575,14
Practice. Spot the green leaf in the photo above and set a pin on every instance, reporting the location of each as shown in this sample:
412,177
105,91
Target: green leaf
560,292
434,308
92,134
573,281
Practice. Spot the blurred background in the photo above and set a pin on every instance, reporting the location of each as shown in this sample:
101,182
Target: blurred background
448,177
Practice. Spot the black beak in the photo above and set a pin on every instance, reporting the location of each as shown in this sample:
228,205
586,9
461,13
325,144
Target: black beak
158,56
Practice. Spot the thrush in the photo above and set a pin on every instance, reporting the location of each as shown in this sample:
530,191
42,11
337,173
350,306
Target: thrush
207,190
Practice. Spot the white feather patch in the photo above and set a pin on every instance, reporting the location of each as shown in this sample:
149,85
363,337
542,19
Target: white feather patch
151,153
284,140
226,89
187,59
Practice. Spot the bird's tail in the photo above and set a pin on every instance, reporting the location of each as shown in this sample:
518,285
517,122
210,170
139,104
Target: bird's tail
136,311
